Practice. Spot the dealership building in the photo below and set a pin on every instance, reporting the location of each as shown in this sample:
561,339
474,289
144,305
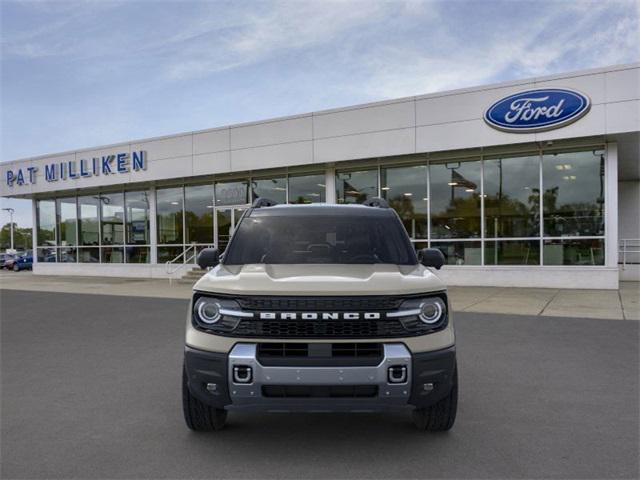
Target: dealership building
529,183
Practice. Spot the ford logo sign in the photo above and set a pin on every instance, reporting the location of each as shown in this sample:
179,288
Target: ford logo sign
537,110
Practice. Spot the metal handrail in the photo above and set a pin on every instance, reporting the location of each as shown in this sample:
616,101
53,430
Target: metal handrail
186,261
628,245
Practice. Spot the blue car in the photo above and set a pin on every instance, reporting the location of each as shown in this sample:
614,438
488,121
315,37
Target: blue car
23,262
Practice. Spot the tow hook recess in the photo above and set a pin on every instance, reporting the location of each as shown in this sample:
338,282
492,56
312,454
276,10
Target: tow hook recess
242,374
397,374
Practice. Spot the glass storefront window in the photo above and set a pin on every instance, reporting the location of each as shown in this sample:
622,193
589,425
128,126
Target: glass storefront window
137,218
573,252
198,213
137,254
67,255
112,218
88,227
169,208
512,197
166,254
512,252
46,218
307,188
67,221
405,188
272,188
112,255
89,255
460,253
47,254
455,200
356,187
573,198
232,193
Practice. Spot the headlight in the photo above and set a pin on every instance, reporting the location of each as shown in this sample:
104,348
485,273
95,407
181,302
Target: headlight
207,310
432,310
216,314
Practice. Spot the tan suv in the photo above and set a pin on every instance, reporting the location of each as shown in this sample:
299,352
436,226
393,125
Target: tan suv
320,308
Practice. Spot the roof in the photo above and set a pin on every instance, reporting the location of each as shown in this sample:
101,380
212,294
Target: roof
320,209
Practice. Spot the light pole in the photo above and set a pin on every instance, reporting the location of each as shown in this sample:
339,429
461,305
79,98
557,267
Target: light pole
11,212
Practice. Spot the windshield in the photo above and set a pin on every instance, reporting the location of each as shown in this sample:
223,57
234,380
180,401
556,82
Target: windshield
342,239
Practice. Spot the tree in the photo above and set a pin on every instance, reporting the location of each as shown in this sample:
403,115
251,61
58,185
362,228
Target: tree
21,237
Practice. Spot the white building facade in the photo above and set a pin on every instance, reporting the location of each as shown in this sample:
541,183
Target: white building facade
531,183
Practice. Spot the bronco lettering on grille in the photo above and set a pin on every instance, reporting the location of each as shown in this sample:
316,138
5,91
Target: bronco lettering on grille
319,316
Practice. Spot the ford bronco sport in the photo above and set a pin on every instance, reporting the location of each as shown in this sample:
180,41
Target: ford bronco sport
320,308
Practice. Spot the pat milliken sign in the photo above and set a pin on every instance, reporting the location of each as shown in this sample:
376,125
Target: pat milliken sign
537,110
105,165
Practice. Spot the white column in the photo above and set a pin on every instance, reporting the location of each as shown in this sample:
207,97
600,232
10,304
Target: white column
611,205
330,184
153,233
34,231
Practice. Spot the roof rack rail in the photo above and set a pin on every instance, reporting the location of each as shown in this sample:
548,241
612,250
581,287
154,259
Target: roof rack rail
263,202
376,202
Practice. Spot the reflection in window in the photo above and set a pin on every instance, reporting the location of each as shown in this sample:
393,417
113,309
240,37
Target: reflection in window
137,254
198,213
272,188
89,255
169,207
405,188
512,197
67,213
112,217
460,253
307,188
512,252
47,255
232,193
46,217
137,218
573,199
67,254
574,252
356,187
112,255
88,221
166,254
455,200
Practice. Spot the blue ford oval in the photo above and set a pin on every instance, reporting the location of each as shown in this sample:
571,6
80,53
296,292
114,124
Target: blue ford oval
537,110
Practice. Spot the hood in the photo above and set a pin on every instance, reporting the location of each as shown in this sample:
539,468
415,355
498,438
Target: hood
329,279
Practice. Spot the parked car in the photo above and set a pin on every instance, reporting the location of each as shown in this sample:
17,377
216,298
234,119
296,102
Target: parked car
320,308
23,262
7,261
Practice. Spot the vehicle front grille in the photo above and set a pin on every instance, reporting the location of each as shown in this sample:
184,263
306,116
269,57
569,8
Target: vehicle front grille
321,329
320,391
320,304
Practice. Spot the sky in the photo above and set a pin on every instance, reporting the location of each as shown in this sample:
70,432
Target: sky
87,73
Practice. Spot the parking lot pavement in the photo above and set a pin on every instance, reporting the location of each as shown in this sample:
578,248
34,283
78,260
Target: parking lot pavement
91,389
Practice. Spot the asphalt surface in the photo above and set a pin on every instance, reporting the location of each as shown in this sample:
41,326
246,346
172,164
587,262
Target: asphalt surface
91,389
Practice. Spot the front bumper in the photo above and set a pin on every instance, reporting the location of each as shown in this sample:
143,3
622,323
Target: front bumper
212,379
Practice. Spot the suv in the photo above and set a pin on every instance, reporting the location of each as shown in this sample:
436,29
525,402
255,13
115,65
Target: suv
320,308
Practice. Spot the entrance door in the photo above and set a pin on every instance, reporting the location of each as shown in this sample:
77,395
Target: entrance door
227,219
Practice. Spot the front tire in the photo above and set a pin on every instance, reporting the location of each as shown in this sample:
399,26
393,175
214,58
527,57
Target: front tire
440,416
16,268
199,416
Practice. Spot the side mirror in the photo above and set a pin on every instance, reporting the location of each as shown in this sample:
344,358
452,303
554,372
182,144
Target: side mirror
431,257
208,258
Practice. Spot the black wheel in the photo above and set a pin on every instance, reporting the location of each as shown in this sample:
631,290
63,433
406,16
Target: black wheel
440,416
16,268
198,415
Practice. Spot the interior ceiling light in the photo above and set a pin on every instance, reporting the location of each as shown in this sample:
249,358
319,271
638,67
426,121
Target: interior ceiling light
385,188
452,184
408,194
